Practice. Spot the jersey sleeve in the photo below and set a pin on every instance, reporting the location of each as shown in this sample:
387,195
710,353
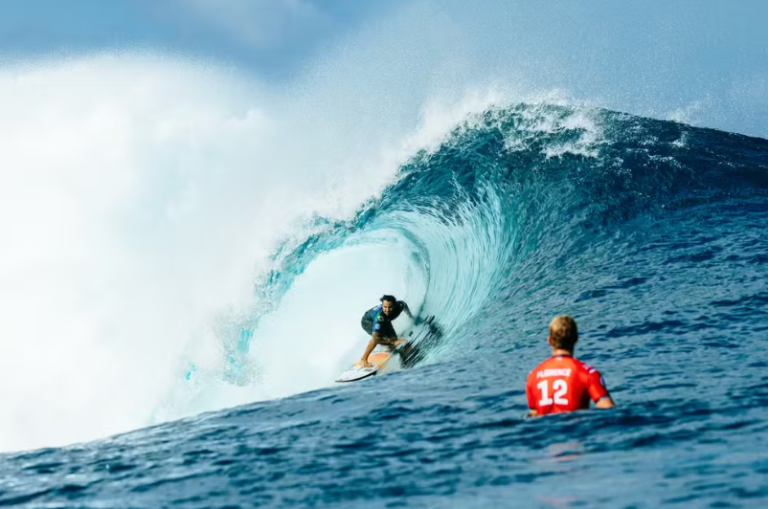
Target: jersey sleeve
596,387
378,320
529,392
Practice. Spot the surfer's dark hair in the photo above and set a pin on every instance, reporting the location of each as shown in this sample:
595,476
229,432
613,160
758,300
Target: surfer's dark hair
390,298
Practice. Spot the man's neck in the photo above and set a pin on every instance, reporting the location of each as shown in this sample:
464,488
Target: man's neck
560,351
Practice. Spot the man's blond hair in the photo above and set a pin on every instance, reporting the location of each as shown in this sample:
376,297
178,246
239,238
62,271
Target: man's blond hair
563,331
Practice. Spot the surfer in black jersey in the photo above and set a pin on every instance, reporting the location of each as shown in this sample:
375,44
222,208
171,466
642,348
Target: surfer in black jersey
377,322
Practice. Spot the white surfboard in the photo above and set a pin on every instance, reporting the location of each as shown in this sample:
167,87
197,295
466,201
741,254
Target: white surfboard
378,359
356,373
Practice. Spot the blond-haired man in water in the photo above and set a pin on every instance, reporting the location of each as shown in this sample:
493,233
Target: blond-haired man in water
562,383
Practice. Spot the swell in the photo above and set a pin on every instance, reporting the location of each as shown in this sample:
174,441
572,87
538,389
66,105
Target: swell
520,208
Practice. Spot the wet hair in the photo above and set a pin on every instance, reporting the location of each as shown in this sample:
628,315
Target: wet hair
563,331
390,298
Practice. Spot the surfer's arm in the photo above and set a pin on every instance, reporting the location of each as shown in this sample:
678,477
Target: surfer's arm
531,397
598,391
605,402
407,310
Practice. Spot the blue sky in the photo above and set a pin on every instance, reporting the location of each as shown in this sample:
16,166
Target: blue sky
269,36
705,59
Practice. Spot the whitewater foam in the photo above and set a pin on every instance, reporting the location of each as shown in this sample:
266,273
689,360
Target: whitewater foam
142,199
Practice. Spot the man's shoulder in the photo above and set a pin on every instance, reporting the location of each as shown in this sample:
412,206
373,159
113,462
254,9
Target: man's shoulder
586,367
378,314
542,365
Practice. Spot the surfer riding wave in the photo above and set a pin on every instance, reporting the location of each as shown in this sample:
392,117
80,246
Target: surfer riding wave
377,322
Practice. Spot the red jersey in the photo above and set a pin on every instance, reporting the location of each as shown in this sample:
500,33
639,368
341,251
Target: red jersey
563,384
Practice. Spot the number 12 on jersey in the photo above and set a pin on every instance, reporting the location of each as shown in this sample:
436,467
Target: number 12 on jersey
560,388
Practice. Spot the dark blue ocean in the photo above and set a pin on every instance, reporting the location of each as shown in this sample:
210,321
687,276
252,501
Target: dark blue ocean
652,234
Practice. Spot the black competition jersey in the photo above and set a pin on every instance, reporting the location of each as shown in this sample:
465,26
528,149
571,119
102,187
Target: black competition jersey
379,319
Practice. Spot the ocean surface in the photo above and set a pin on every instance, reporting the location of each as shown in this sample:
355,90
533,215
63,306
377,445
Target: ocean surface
652,234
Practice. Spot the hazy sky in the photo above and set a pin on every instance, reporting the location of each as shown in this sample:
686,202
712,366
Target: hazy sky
699,61
267,35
